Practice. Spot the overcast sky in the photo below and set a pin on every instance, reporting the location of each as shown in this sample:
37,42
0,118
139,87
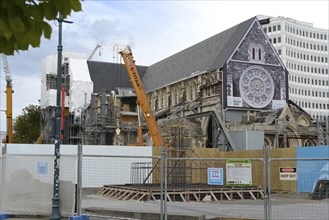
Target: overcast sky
153,29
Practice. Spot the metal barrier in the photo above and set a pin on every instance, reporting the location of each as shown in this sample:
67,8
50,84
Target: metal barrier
215,187
299,198
2,171
111,182
119,185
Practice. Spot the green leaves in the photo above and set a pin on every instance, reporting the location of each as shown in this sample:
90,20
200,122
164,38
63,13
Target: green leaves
49,9
46,30
75,5
24,22
27,125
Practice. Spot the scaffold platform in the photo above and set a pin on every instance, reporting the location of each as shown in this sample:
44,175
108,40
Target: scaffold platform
146,192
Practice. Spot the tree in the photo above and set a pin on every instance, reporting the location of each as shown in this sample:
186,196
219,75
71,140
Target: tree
24,22
27,126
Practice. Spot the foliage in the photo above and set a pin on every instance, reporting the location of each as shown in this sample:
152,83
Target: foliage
27,126
24,22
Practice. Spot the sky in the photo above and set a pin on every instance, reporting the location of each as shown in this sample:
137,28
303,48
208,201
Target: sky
153,29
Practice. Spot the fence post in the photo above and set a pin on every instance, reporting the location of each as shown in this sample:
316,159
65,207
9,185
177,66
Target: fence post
79,179
269,183
266,182
2,177
163,184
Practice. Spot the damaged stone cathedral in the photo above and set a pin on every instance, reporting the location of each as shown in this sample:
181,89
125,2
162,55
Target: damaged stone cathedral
229,92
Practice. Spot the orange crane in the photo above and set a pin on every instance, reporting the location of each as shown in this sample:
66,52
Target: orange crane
9,99
142,100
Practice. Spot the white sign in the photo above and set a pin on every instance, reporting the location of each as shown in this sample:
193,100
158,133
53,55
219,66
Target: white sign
215,176
234,101
278,104
238,172
288,173
42,168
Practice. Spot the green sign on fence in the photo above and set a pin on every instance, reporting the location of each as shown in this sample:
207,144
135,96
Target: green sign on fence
238,172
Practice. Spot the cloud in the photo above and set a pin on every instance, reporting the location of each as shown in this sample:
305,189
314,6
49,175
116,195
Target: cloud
154,30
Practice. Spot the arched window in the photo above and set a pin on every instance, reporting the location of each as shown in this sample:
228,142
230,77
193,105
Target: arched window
256,53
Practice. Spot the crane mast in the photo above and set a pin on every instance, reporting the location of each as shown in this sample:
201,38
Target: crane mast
9,96
141,96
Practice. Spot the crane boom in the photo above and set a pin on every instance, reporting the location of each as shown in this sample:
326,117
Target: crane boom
9,98
94,51
141,96
6,69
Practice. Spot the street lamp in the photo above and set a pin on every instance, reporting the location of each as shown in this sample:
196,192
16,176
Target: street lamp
55,215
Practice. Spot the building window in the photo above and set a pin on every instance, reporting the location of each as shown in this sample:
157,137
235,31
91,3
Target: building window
269,29
279,51
279,39
279,27
265,29
256,52
274,28
274,40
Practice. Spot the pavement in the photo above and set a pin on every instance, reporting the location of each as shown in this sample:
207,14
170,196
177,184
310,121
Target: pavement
283,207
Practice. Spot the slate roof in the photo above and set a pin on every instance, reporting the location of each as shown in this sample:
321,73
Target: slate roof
209,54
110,75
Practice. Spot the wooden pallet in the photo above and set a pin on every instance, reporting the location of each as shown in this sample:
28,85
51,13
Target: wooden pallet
124,192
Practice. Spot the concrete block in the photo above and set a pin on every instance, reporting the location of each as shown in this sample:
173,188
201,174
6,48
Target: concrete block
81,217
4,216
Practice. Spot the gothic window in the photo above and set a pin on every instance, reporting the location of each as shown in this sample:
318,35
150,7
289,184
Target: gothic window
169,100
156,106
256,53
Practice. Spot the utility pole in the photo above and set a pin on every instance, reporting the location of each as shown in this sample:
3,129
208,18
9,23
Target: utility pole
55,215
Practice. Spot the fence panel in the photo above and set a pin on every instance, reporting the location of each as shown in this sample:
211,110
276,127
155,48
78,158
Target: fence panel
126,186
1,180
28,184
215,188
293,188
